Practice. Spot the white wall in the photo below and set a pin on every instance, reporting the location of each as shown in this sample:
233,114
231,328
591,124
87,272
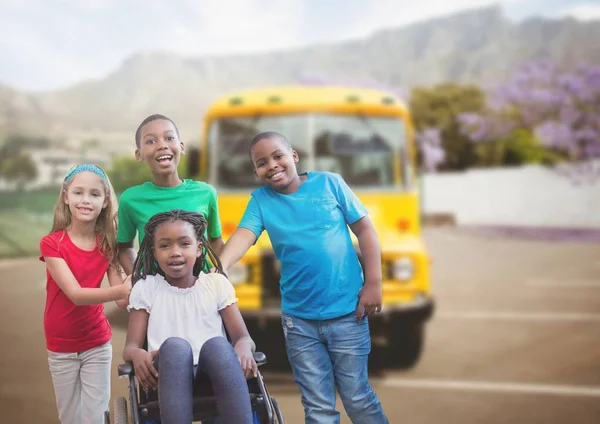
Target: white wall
528,196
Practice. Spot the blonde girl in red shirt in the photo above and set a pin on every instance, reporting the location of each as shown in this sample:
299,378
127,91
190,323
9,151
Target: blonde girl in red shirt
79,251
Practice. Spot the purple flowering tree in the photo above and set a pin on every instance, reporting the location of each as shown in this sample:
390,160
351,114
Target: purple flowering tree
560,107
429,141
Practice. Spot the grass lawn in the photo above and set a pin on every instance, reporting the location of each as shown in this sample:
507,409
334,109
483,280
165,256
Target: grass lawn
25,218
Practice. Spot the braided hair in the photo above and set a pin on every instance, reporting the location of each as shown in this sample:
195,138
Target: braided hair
145,262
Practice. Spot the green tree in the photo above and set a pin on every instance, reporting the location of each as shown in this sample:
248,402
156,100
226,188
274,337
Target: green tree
18,142
13,154
439,107
126,172
519,147
20,169
183,168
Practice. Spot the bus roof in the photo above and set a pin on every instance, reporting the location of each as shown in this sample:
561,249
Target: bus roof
306,98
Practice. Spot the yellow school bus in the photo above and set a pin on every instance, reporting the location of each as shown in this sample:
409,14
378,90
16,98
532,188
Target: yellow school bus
365,135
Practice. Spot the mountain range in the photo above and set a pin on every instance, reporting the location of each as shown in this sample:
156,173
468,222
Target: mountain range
477,46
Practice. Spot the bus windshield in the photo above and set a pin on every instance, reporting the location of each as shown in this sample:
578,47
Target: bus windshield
358,147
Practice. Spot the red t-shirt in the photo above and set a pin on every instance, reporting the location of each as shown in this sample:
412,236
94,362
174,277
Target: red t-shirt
70,328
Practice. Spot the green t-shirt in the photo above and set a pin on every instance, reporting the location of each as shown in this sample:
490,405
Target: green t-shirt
139,203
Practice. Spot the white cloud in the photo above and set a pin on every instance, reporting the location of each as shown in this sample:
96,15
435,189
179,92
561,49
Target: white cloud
55,43
52,43
583,12
225,26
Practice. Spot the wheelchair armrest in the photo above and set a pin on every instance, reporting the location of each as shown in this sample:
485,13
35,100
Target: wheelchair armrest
126,369
260,358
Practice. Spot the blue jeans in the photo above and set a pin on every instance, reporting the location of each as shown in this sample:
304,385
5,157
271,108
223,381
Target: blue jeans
331,354
177,380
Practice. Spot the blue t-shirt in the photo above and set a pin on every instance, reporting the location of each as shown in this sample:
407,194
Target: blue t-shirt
320,271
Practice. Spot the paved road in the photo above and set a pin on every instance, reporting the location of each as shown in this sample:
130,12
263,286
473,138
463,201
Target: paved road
516,339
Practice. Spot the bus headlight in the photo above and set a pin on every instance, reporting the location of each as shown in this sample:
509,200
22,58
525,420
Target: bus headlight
403,269
238,273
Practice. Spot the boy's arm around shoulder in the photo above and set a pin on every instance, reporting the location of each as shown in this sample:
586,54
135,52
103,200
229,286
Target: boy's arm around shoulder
249,229
370,295
236,247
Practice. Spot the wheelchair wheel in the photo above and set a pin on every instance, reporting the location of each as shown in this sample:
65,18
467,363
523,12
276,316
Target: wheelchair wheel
121,411
278,413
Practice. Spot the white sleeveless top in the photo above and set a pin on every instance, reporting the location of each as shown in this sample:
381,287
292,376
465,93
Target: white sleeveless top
191,313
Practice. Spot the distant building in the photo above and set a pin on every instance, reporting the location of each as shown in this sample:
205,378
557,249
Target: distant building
52,165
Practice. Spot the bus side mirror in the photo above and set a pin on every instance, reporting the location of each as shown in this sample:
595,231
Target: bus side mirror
193,157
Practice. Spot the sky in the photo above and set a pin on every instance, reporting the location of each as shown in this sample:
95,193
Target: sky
52,44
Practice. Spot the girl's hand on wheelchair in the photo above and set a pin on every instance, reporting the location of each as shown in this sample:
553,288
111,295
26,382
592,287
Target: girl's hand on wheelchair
247,361
144,368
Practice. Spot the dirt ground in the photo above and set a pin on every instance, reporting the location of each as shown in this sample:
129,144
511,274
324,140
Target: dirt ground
515,339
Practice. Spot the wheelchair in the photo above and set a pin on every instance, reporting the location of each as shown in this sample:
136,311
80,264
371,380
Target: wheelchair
144,409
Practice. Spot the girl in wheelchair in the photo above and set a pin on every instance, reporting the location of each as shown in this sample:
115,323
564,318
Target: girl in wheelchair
184,315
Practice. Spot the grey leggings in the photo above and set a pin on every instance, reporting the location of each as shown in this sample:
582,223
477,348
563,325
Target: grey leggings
176,381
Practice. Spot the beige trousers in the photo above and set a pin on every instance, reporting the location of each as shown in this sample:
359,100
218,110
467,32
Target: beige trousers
82,384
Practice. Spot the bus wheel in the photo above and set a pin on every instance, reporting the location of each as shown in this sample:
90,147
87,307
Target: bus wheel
405,344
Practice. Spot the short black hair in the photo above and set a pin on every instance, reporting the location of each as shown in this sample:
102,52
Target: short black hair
155,117
269,135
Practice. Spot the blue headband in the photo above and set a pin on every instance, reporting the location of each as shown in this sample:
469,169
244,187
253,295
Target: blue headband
83,168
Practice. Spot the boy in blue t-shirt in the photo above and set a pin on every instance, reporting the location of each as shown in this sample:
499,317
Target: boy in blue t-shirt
324,298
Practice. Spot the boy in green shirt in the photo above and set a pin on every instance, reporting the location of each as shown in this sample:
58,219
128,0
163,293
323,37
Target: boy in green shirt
158,144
